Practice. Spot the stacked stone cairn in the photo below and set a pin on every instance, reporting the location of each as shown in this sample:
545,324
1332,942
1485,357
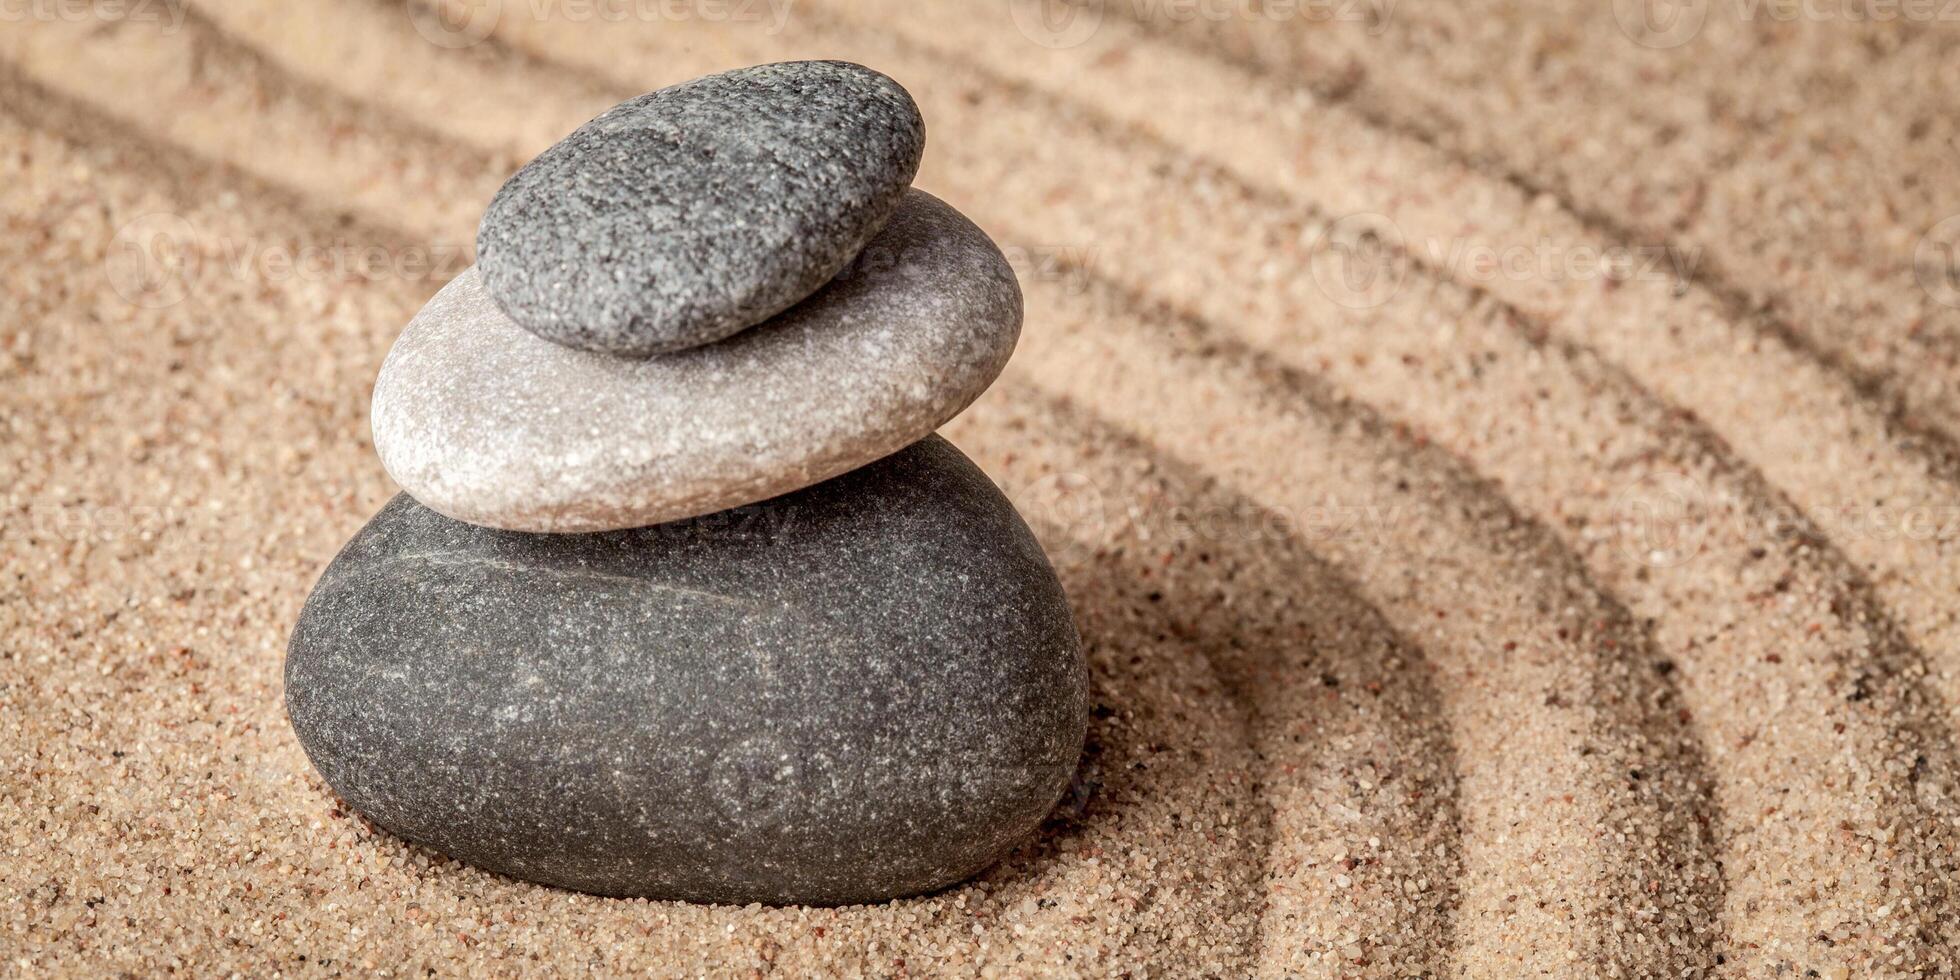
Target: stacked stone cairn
684,598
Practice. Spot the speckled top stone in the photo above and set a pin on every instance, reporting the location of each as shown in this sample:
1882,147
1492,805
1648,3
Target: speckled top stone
486,423
684,215
866,689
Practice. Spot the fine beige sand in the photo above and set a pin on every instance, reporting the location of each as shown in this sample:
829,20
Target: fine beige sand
1505,476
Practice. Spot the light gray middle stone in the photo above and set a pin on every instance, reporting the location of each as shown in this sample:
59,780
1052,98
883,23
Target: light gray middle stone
485,422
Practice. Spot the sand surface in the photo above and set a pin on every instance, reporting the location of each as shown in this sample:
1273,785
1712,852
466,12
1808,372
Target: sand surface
1504,473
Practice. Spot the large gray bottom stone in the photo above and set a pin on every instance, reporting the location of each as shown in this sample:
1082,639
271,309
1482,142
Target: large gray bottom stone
863,690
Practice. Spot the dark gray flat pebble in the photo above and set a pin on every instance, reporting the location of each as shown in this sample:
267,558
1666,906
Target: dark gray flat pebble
866,689
685,215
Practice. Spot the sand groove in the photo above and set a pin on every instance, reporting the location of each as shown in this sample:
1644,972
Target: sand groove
1573,760
1768,916
1898,507
1109,886
1557,902
1525,649
1904,562
1847,295
1895,514
1394,933
1356,761
1780,520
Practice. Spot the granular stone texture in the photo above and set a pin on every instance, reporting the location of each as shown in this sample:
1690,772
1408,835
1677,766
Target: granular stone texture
867,689
489,424
684,215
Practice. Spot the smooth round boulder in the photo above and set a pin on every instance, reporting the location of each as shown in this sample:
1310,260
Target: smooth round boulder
863,690
486,423
684,215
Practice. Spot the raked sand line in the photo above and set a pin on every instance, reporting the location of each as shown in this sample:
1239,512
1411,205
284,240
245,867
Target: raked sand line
368,49
1835,156
1848,296
1122,69
1900,496
185,198
667,65
1120,888
1888,738
1697,544
1894,508
1356,762
1362,357
1547,685
1170,782
1402,884
198,85
1883,740
1553,920
162,774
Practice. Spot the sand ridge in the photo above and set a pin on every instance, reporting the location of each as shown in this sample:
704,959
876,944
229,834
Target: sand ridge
1396,673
